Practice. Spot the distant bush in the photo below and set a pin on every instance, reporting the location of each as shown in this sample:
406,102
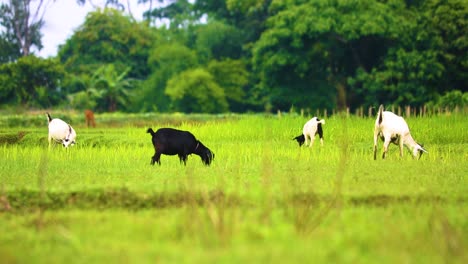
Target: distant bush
450,100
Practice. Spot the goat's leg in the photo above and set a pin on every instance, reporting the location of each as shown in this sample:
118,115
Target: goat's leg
183,159
156,158
401,147
306,139
385,147
376,136
312,139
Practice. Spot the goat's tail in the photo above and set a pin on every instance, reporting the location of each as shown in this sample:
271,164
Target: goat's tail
151,131
379,114
48,117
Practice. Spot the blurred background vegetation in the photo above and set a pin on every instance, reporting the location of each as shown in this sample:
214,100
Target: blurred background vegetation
215,56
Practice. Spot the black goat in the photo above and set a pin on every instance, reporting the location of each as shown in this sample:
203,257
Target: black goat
169,141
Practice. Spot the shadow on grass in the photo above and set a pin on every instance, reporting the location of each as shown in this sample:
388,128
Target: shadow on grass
26,200
11,138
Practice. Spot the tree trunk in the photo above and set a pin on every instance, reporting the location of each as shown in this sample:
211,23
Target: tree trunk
340,86
341,95
112,105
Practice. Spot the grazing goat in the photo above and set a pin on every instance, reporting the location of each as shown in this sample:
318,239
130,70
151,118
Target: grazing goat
392,128
311,128
61,132
89,116
169,141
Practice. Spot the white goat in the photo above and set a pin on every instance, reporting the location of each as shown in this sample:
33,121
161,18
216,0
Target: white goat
392,128
311,128
61,132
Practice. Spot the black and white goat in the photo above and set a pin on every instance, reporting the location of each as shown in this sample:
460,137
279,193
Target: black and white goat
310,129
61,132
392,128
169,141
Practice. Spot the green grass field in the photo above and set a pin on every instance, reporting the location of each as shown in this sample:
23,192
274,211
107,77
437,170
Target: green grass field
263,200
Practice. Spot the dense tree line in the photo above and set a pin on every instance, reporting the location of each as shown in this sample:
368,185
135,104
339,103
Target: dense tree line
244,55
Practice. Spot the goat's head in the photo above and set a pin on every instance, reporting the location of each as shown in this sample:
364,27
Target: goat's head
206,155
70,139
68,142
300,139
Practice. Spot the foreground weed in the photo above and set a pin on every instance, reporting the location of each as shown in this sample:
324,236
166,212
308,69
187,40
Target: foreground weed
446,237
41,176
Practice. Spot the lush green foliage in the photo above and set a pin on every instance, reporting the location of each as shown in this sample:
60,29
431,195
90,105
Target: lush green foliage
266,54
111,88
453,99
166,61
422,65
218,41
196,91
323,43
264,199
32,81
233,77
105,90
107,36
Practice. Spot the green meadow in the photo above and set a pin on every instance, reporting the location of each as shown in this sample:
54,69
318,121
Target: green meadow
263,200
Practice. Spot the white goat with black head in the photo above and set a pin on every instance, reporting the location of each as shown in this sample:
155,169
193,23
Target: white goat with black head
392,128
61,132
310,129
